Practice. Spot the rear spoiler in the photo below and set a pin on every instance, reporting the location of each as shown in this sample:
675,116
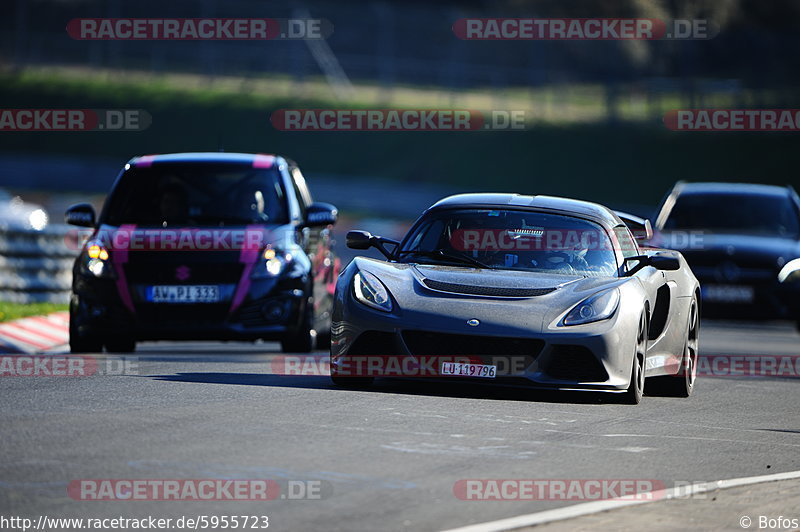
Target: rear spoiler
640,227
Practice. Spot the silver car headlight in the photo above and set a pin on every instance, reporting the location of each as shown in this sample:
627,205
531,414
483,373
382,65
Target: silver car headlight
600,306
790,271
371,292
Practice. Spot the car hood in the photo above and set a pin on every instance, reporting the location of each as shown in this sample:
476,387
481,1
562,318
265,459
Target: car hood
410,286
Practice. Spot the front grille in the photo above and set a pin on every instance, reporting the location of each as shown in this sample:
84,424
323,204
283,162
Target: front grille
156,267
485,348
494,291
575,362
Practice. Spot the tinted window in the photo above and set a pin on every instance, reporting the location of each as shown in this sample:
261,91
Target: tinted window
735,213
512,239
197,194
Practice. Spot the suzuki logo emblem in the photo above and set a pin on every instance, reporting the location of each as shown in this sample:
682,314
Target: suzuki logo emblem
473,322
182,273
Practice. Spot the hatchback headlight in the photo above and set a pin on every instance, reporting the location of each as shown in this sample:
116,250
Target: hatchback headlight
274,263
371,292
600,306
95,261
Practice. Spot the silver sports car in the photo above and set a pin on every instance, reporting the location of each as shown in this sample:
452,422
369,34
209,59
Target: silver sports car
517,290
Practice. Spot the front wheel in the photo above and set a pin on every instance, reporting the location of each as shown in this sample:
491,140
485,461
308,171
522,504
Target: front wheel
682,383
81,343
633,395
121,345
302,340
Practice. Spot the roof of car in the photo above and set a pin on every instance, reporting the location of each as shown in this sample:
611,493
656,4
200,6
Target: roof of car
730,188
263,160
553,203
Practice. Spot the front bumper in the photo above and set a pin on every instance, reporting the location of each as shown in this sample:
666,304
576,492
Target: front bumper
268,312
368,343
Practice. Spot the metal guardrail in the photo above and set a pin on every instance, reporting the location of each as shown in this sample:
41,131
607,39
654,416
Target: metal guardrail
36,266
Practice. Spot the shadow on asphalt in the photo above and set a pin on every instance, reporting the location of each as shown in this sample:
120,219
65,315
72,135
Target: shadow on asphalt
399,386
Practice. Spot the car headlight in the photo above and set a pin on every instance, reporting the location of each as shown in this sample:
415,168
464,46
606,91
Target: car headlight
94,261
790,272
274,263
600,306
370,291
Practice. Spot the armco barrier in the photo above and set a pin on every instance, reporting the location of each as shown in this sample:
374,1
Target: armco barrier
36,266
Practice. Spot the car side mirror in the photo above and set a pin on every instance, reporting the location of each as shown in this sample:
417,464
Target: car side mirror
641,228
320,214
365,240
660,261
81,215
359,240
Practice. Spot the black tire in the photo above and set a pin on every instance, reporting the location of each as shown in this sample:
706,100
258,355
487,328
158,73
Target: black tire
81,343
682,383
302,340
121,345
633,395
324,339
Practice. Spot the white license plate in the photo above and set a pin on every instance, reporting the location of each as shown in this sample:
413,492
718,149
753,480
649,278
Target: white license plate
468,370
183,293
728,293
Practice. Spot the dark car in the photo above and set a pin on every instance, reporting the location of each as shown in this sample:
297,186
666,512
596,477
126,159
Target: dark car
531,291
743,243
204,246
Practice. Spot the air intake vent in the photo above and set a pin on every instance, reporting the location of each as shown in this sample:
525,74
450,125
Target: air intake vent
491,291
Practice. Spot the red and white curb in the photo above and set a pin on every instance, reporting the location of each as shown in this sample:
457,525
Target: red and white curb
34,334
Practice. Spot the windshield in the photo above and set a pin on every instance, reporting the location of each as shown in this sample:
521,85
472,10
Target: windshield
197,194
735,213
513,240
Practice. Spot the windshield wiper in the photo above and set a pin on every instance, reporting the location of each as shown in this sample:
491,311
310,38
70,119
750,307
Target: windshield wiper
441,254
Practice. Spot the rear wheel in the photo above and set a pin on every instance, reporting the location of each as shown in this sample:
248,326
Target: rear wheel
81,343
633,395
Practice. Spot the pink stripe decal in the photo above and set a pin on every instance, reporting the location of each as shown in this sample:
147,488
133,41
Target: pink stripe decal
263,161
120,257
251,248
144,161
